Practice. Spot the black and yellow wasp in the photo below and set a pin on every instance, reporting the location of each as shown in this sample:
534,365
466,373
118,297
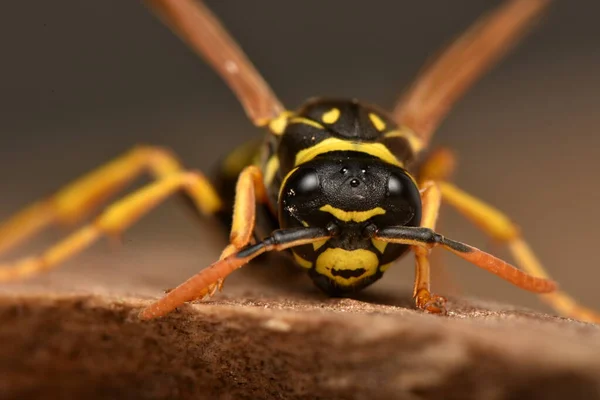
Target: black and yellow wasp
336,181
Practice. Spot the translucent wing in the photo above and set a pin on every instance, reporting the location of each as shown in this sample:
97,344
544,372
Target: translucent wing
200,29
451,74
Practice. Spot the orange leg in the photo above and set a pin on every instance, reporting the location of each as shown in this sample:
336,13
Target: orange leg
249,190
498,226
431,199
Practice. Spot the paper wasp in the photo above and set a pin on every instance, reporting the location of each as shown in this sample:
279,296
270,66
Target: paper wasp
334,182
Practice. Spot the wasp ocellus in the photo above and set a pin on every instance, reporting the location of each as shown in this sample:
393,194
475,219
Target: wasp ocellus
345,187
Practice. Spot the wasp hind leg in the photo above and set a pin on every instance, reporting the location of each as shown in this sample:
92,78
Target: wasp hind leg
77,200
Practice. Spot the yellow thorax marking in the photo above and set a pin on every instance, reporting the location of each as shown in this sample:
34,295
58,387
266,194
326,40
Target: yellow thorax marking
331,116
356,216
305,121
334,144
278,124
415,143
340,259
377,122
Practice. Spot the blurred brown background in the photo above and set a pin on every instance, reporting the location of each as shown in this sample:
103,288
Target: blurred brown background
81,82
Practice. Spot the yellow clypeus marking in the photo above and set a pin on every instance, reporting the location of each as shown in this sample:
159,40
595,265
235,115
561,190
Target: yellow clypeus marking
377,122
415,143
356,216
346,260
331,116
271,169
301,261
334,144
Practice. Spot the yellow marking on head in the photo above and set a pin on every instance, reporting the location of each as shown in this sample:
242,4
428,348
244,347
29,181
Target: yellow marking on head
356,216
415,143
305,121
301,261
278,124
334,144
377,122
340,259
379,245
319,244
284,181
331,116
271,169
385,267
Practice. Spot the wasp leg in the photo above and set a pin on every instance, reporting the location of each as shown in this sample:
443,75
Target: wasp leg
499,226
431,199
249,190
78,199
187,291
439,166
115,219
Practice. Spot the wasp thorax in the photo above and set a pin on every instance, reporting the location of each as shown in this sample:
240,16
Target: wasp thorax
348,187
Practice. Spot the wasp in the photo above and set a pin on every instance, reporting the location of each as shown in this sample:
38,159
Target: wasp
342,186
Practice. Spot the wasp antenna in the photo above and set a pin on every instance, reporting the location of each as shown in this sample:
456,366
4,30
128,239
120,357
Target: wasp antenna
425,237
201,284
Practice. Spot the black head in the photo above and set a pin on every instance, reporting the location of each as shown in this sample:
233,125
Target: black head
349,188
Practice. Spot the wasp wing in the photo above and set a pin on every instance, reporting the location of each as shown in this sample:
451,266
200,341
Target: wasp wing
442,82
193,22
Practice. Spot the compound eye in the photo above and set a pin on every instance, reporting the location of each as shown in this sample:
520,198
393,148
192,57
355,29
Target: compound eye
305,182
395,186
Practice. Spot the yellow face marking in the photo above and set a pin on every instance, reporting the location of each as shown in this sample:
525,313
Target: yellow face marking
305,121
334,144
385,267
319,244
379,245
349,260
283,182
271,169
278,124
356,216
415,143
301,261
377,122
331,116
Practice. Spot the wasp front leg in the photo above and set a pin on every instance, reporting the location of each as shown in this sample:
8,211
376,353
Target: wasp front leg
424,299
249,190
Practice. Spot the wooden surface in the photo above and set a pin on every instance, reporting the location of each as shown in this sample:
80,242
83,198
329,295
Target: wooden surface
271,335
